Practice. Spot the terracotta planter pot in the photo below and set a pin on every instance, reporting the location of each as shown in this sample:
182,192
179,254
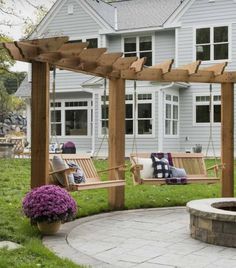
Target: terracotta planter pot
49,228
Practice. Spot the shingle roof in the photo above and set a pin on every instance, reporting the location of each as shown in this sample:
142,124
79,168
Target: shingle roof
24,90
134,14
105,11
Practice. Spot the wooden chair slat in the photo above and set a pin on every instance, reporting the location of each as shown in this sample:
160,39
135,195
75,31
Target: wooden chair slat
92,179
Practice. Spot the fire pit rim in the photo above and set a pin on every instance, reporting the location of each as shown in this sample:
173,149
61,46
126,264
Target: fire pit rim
206,208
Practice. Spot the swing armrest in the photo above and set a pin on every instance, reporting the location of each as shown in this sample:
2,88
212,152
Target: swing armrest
216,169
65,170
135,170
119,168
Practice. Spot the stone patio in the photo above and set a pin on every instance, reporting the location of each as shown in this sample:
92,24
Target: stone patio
145,238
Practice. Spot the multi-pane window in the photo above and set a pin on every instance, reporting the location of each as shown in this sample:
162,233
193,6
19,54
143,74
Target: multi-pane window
76,118
171,114
56,122
207,109
140,46
144,114
70,118
212,43
137,119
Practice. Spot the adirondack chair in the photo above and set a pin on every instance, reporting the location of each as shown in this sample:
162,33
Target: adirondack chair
193,163
93,180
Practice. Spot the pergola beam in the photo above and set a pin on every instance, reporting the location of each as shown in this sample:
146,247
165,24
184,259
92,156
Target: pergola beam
76,57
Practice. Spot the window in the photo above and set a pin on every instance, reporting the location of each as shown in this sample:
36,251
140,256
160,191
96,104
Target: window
140,46
76,118
171,114
70,118
93,42
212,43
76,122
56,122
141,122
203,107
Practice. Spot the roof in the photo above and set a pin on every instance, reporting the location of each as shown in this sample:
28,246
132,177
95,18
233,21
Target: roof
134,14
24,90
105,10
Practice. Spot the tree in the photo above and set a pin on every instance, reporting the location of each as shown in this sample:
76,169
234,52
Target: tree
31,24
5,60
12,80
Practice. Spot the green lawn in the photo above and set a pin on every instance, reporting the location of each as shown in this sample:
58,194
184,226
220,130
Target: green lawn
14,179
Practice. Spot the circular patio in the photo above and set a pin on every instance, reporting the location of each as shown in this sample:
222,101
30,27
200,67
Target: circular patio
137,238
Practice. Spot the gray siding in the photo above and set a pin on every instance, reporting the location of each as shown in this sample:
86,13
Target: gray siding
66,80
114,43
191,134
164,46
80,23
203,12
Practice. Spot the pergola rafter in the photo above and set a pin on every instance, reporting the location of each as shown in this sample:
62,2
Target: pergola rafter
77,57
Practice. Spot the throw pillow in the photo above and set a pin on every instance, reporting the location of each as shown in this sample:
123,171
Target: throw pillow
161,168
58,164
147,171
79,174
178,172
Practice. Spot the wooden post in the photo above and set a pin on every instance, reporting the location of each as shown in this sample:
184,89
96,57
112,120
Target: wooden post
40,124
116,139
227,139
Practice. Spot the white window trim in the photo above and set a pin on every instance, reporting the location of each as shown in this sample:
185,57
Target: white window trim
85,37
195,124
52,109
172,103
63,109
211,26
152,35
152,101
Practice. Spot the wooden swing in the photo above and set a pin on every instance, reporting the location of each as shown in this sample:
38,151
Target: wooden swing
92,178
193,163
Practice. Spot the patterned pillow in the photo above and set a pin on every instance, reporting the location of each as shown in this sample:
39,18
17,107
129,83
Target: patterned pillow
161,168
79,174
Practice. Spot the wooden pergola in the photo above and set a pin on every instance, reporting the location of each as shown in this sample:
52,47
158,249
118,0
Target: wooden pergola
76,57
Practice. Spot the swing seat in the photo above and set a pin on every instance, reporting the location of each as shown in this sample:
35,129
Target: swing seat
193,163
92,178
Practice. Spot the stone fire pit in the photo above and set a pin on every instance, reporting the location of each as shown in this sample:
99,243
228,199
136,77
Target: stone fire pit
213,220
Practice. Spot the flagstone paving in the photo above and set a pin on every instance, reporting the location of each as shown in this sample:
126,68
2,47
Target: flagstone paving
146,238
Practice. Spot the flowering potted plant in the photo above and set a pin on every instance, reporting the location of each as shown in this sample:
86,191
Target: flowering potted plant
49,206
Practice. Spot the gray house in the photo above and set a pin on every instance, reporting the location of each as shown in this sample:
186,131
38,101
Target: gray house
159,116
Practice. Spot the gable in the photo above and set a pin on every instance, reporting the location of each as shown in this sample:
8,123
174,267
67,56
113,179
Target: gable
58,22
204,12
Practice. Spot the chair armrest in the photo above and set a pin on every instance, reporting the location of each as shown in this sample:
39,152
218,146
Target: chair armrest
65,170
216,168
135,170
119,168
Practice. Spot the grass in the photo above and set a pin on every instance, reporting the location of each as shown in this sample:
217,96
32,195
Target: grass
14,181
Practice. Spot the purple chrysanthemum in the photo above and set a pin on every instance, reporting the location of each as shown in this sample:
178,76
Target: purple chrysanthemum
49,203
